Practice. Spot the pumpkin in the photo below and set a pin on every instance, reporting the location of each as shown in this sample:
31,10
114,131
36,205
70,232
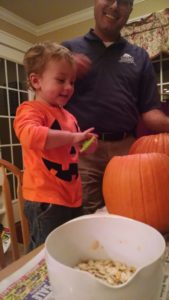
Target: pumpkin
151,143
137,186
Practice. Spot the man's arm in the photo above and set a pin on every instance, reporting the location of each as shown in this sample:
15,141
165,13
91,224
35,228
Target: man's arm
156,120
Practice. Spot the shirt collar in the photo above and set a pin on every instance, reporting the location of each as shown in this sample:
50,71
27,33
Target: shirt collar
92,36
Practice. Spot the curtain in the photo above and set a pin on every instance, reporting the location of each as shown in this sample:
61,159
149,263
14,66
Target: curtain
150,33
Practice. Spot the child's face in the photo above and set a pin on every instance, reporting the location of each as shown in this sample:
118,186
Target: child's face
56,84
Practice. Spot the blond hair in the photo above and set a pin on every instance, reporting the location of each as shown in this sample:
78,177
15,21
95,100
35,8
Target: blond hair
37,57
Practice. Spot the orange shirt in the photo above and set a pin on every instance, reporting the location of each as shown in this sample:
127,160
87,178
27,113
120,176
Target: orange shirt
50,175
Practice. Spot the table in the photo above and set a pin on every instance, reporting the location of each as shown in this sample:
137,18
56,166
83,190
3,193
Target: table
27,278
19,263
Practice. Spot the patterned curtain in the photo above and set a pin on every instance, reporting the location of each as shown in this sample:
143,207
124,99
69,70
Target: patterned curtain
150,33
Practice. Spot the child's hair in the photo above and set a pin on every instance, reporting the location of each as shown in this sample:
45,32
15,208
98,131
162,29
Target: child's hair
36,58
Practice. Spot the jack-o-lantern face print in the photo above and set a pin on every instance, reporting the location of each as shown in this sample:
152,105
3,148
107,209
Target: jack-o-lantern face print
57,169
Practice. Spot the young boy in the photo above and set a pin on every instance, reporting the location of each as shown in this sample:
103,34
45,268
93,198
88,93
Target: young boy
50,139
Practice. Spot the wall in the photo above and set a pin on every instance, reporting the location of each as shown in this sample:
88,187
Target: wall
68,32
18,32
148,6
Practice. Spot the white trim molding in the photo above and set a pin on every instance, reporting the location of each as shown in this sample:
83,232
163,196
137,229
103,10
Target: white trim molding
138,1
17,21
13,41
38,30
12,48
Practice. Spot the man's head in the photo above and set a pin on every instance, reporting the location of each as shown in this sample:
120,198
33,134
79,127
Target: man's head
110,17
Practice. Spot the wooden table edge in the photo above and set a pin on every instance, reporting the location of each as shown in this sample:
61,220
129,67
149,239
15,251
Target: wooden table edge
14,266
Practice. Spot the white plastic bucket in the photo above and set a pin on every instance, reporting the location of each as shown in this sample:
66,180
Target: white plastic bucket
117,238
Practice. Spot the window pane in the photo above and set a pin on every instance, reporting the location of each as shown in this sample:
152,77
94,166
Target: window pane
17,154
3,102
4,131
15,183
14,138
6,153
166,71
11,183
2,72
22,78
23,97
157,70
166,92
157,58
165,55
11,70
13,102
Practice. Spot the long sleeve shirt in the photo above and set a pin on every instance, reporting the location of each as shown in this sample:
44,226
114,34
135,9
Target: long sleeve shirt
51,175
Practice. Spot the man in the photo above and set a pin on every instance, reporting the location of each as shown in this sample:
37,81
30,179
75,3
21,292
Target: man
119,87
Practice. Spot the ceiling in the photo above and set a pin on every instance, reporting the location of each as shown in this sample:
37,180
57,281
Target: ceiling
39,12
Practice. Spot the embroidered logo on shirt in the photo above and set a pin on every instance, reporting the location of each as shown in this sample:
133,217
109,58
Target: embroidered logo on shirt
127,58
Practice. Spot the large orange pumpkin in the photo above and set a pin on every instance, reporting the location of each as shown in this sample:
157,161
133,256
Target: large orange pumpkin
137,186
151,143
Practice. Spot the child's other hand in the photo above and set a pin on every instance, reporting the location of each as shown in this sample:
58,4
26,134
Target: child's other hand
83,64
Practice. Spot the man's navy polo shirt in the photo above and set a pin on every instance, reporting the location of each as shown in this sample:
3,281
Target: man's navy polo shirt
119,87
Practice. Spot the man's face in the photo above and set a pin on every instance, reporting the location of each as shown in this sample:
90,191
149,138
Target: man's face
110,17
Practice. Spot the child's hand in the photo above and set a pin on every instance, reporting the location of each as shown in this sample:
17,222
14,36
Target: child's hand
89,146
87,140
79,137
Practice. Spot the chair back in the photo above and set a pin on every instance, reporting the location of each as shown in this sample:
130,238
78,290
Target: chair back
5,168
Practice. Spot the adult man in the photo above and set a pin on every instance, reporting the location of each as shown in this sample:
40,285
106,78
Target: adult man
119,87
